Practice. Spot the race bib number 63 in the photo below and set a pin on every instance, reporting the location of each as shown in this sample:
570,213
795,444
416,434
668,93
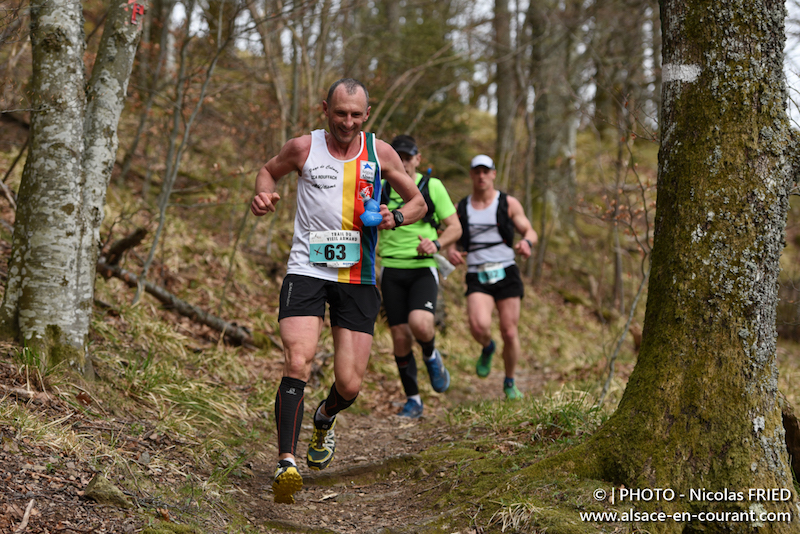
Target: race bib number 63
335,248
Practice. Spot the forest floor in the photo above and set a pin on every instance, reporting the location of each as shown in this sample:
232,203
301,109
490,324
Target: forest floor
373,485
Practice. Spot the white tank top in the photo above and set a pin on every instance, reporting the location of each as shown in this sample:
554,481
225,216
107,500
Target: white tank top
330,195
483,229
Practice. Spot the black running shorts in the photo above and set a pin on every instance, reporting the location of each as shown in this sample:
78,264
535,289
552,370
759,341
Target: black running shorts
508,287
352,306
404,290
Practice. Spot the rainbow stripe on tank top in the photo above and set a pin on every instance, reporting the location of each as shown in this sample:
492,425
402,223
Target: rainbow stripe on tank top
330,196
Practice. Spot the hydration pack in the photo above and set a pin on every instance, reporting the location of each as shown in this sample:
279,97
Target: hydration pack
386,192
504,224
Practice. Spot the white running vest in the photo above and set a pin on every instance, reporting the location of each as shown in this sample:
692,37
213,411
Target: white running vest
483,229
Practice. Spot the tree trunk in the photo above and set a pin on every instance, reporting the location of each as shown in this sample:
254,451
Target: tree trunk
105,99
506,90
38,305
50,287
700,409
656,95
555,117
268,28
148,95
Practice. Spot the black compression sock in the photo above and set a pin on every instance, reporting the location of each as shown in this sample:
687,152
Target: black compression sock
427,347
407,367
289,413
335,403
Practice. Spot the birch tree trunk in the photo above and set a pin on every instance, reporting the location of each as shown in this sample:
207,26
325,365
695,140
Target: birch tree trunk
105,99
700,409
38,305
48,299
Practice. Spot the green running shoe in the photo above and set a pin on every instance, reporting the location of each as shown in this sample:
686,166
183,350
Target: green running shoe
484,365
512,393
322,446
287,482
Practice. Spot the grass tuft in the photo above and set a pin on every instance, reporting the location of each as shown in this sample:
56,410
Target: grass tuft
515,517
564,414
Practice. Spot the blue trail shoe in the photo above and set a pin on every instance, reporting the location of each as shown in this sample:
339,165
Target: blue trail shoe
412,409
440,376
286,483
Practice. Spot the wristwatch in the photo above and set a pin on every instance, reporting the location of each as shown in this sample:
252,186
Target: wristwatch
437,244
398,218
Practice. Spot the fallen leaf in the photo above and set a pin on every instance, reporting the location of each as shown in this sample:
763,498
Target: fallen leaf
84,398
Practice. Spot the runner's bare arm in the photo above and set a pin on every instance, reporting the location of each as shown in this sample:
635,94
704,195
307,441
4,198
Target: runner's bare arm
291,158
455,256
392,169
523,226
451,234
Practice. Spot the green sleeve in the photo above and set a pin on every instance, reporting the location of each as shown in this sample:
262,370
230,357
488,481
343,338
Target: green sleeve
443,206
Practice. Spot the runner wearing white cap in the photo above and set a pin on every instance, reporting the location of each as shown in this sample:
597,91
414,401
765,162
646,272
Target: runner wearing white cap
489,219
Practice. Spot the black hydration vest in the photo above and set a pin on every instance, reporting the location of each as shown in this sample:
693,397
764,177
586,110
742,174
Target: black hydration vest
504,224
386,192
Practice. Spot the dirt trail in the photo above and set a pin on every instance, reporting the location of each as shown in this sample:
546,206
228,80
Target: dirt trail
368,488
360,491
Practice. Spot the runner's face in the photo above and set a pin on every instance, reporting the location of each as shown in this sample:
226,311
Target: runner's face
346,114
410,163
482,178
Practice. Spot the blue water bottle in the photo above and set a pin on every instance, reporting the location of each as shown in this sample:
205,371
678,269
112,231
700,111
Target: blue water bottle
371,215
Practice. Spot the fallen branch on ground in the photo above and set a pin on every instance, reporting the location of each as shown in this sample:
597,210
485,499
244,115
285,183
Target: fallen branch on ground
24,524
236,333
118,248
39,397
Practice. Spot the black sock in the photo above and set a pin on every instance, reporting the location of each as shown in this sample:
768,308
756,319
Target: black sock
488,349
407,366
427,347
289,413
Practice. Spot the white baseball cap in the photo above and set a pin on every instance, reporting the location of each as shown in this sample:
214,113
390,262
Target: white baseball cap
482,160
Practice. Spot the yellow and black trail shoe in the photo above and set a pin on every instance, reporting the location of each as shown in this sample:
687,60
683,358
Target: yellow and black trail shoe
287,482
322,446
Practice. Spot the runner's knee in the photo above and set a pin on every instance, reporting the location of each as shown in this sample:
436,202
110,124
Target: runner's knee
479,327
422,329
509,332
297,367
